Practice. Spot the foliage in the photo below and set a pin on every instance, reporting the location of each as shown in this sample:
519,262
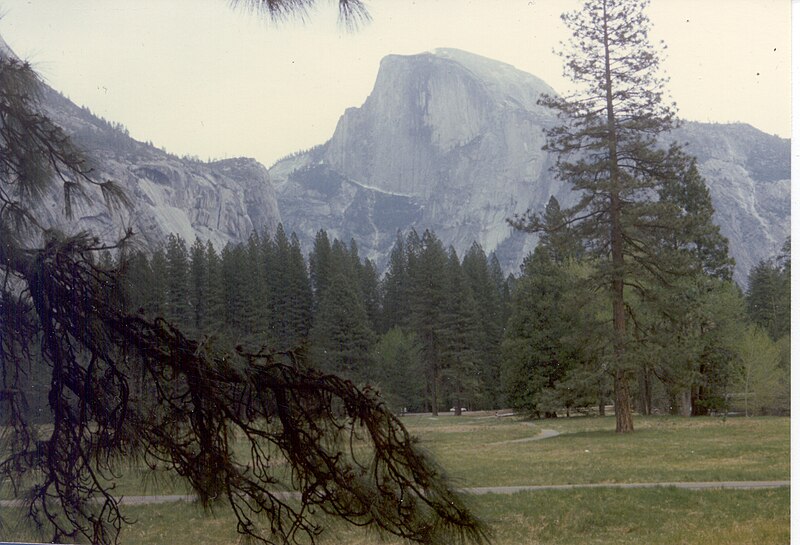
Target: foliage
769,294
398,372
341,338
762,379
554,339
352,13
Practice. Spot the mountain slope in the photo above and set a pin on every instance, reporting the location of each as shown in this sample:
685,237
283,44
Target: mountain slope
454,141
222,201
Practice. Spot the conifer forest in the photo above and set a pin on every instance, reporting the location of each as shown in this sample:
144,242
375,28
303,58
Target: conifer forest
443,332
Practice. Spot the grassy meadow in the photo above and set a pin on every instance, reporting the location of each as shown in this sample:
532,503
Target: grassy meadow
482,451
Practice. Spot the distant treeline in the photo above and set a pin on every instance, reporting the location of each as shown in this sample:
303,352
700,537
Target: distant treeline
440,332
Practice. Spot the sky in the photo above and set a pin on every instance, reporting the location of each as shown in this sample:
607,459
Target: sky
199,78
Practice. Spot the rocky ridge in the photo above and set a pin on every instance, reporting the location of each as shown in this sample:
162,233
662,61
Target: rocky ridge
452,141
221,201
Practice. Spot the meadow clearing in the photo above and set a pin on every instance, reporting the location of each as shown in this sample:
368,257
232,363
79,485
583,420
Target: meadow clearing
486,451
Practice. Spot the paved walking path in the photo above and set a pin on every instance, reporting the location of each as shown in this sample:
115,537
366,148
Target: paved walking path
708,485
544,434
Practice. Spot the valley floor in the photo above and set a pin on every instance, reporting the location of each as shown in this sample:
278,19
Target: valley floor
727,483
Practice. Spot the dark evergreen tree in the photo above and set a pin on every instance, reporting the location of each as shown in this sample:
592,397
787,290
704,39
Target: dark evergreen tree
557,234
694,307
487,296
256,289
177,308
236,302
769,294
399,374
692,333
460,339
503,285
427,264
300,297
551,356
319,263
215,293
198,293
395,288
370,290
138,282
280,296
156,302
341,339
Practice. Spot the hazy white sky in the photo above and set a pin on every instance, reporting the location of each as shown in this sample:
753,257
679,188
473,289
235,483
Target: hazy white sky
198,78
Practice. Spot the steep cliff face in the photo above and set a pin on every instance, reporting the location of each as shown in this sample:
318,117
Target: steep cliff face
748,175
222,201
454,142
452,138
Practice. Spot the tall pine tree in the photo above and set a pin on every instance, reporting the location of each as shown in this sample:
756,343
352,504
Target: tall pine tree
427,265
608,150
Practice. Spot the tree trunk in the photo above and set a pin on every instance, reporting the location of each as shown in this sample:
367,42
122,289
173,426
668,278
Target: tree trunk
622,402
686,402
622,395
435,393
699,408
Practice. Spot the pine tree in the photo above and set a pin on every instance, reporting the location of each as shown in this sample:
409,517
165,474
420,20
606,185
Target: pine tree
256,318
137,279
341,339
460,338
548,363
491,320
235,279
607,149
213,320
427,264
300,296
370,290
198,293
398,370
769,294
157,293
395,288
319,263
502,285
692,332
280,296
557,235
177,308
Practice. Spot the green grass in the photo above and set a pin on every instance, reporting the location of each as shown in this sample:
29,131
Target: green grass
564,517
663,449
484,451
652,516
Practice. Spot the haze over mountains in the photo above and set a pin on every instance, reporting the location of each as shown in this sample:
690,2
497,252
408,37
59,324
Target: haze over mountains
447,140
